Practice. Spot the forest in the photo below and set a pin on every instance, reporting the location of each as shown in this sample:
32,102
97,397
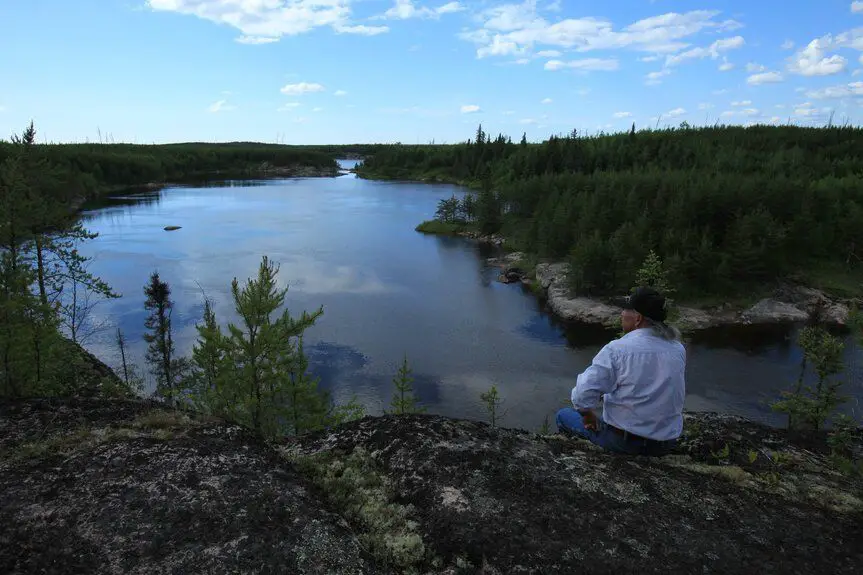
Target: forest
88,170
730,210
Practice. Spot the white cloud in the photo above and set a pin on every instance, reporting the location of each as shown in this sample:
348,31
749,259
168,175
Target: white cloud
301,88
727,114
726,66
527,121
362,30
522,61
508,112
834,92
586,64
318,109
787,45
812,60
547,101
742,103
753,67
470,109
287,106
806,110
263,21
256,40
549,54
622,114
220,106
450,8
675,113
861,59
764,78
521,27
654,78
340,93
653,58
857,7
720,92
713,51
705,106
749,112
406,9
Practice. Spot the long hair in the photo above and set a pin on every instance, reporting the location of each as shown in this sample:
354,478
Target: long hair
663,330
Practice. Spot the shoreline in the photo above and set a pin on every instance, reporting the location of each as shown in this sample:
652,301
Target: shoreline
788,304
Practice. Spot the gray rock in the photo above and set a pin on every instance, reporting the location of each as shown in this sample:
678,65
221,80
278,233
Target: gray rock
93,486
772,311
101,486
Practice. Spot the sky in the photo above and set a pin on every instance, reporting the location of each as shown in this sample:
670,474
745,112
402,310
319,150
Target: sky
417,71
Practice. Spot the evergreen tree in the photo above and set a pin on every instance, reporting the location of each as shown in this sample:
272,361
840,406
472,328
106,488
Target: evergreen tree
271,383
160,348
403,400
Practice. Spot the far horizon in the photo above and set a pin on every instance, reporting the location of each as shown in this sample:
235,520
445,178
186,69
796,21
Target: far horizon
346,72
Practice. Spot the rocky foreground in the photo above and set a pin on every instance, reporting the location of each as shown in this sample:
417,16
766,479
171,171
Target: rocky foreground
788,305
115,486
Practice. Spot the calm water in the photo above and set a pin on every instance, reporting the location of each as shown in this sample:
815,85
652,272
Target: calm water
349,245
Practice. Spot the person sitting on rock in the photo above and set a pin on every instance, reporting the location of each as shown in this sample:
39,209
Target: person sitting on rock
638,379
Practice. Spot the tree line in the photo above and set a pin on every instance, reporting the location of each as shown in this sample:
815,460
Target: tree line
726,208
87,170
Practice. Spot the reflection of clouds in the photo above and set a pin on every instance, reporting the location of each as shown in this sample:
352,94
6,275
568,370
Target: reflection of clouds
314,276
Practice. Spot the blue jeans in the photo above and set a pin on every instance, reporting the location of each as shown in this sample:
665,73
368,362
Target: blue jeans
570,422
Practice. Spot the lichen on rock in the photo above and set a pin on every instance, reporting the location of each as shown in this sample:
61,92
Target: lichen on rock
107,486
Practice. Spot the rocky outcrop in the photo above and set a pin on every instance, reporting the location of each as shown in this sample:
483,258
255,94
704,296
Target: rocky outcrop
791,304
95,486
102,486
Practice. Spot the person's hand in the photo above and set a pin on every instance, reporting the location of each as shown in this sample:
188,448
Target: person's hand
589,420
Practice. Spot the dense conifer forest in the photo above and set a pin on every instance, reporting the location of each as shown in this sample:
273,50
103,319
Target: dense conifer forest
90,169
728,209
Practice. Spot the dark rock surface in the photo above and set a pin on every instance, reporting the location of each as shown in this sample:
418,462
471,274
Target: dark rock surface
111,486
514,502
94,486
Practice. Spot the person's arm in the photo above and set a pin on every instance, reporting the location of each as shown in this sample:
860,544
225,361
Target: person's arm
595,381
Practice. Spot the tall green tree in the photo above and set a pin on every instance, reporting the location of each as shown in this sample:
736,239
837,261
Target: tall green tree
160,338
270,387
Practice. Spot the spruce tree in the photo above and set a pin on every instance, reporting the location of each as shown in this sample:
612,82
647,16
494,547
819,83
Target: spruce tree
403,400
160,348
270,378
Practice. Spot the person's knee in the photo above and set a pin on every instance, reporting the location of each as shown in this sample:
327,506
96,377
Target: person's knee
560,419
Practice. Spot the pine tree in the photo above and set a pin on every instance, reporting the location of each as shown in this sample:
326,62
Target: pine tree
403,400
653,274
211,367
160,348
271,379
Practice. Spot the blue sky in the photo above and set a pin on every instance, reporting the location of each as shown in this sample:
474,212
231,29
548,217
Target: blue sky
342,71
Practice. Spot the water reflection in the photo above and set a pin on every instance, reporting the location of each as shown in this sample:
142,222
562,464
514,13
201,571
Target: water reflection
349,245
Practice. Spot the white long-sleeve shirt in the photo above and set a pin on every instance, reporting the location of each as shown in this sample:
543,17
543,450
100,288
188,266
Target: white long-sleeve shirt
641,377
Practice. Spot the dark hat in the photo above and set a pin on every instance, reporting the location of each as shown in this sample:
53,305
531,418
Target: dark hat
648,302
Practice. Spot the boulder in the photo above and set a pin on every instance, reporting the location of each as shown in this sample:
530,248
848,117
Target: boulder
773,311
548,274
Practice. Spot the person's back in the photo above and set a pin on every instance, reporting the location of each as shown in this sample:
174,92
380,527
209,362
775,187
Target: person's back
639,380
650,388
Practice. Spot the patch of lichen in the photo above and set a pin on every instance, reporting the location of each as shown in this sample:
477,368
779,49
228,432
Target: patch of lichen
353,485
160,424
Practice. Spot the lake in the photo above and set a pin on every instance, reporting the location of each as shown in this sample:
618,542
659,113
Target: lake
349,245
